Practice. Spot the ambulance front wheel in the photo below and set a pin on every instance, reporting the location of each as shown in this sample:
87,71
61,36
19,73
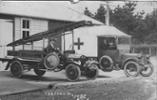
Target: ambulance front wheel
73,72
131,69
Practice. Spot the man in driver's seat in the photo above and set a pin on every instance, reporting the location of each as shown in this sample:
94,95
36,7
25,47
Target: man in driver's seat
51,45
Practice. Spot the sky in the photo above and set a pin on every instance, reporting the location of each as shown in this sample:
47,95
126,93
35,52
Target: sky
145,5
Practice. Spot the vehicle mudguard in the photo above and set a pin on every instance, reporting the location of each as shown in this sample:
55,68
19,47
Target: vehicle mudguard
9,63
128,59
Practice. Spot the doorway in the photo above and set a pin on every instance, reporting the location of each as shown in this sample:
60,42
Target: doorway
6,32
106,46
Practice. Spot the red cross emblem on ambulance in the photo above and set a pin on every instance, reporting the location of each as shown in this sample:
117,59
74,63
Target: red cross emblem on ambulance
78,43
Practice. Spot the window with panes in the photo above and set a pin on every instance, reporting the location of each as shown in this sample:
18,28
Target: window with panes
25,28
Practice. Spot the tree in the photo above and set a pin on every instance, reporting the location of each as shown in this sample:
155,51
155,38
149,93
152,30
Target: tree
100,14
125,19
88,13
151,21
142,29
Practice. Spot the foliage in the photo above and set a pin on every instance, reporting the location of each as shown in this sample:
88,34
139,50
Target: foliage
151,22
88,13
126,20
100,14
143,29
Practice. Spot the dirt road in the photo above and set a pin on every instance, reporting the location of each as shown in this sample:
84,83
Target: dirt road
108,86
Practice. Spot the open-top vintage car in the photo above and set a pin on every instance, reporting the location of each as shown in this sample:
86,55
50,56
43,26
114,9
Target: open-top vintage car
115,55
50,59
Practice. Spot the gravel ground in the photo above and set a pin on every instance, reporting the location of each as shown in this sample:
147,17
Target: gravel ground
117,89
108,86
111,89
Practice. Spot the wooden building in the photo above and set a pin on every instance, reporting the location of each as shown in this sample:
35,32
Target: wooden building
27,18
22,19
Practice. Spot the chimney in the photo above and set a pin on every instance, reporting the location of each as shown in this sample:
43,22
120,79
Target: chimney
107,14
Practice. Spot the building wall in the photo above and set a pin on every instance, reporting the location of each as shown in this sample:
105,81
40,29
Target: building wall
36,26
89,40
6,28
56,24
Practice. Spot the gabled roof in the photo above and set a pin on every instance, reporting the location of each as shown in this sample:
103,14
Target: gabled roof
44,10
102,30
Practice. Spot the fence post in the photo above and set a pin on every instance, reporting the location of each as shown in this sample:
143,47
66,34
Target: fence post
150,53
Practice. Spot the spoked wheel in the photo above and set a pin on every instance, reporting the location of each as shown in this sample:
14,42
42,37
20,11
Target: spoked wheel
38,71
16,68
51,61
147,70
73,72
106,63
131,69
92,72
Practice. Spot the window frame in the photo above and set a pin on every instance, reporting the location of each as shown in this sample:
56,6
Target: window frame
25,23
25,29
25,35
121,42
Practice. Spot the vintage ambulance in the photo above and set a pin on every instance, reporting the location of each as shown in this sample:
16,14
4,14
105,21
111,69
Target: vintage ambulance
111,48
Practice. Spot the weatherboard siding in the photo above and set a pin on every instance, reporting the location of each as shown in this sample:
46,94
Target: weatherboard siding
36,26
56,24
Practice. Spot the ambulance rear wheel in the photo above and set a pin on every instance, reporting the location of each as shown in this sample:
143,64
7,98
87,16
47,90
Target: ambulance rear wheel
16,68
106,63
73,72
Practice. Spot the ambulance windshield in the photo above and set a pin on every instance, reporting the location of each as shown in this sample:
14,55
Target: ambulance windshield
110,43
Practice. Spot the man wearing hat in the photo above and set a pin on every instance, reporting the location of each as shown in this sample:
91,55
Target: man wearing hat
51,45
